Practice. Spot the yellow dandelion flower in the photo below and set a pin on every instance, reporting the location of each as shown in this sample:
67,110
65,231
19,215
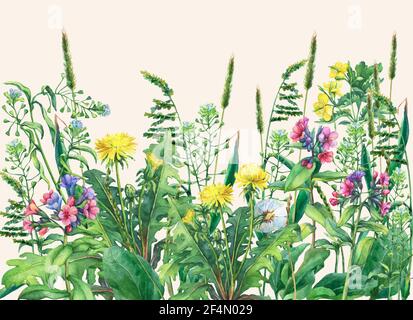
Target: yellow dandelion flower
153,160
115,147
333,87
339,70
322,108
189,216
252,175
216,195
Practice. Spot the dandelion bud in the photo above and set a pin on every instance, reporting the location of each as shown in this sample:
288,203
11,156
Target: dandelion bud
130,191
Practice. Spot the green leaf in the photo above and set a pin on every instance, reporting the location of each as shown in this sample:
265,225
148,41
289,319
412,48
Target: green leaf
298,176
372,226
81,290
22,88
267,248
130,276
232,169
238,234
38,292
347,213
6,291
366,165
52,96
336,232
402,143
25,271
315,214
321,293
363,250
34,126
301,204
328,176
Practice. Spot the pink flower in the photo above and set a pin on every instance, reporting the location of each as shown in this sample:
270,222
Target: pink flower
385,192
298,129
27,225
335,194
384,179
334,201
347,188
375,175
71,201
307,163
68,214
46,197
325,157
43,231
328,138
68,228
91,210
384,208
31,209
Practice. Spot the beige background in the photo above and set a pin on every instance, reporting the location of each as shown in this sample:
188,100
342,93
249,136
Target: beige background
189,43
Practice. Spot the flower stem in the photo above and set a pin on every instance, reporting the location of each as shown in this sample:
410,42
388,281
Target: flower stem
67,284
122,204
224,230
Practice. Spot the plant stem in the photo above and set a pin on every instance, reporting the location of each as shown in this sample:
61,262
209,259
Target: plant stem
66,266
224,231
292,272
221,124
350,258
122,204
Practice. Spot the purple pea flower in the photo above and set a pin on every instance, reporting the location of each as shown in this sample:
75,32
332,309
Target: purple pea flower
88,194
69,183
356,176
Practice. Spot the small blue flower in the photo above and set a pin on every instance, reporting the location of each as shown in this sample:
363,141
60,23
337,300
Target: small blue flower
55,202
14,93
106,110
77,124
88,194
69,183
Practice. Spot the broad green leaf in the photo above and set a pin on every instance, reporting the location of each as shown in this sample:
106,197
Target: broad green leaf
362,250
25,270
347,213
39,292
366,165
81,290
372,226
402,143
267,248
130,276
299,207
321,293
298,176
336,232
315,214
328,176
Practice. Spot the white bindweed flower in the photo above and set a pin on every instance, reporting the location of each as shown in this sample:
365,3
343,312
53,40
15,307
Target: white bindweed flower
272,215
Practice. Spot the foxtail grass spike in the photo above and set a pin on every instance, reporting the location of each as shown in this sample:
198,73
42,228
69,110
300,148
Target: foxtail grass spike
70,76
309,74
376,78
260,121
393,58
228,84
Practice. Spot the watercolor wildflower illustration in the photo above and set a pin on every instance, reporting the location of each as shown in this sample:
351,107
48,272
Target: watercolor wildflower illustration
333,190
